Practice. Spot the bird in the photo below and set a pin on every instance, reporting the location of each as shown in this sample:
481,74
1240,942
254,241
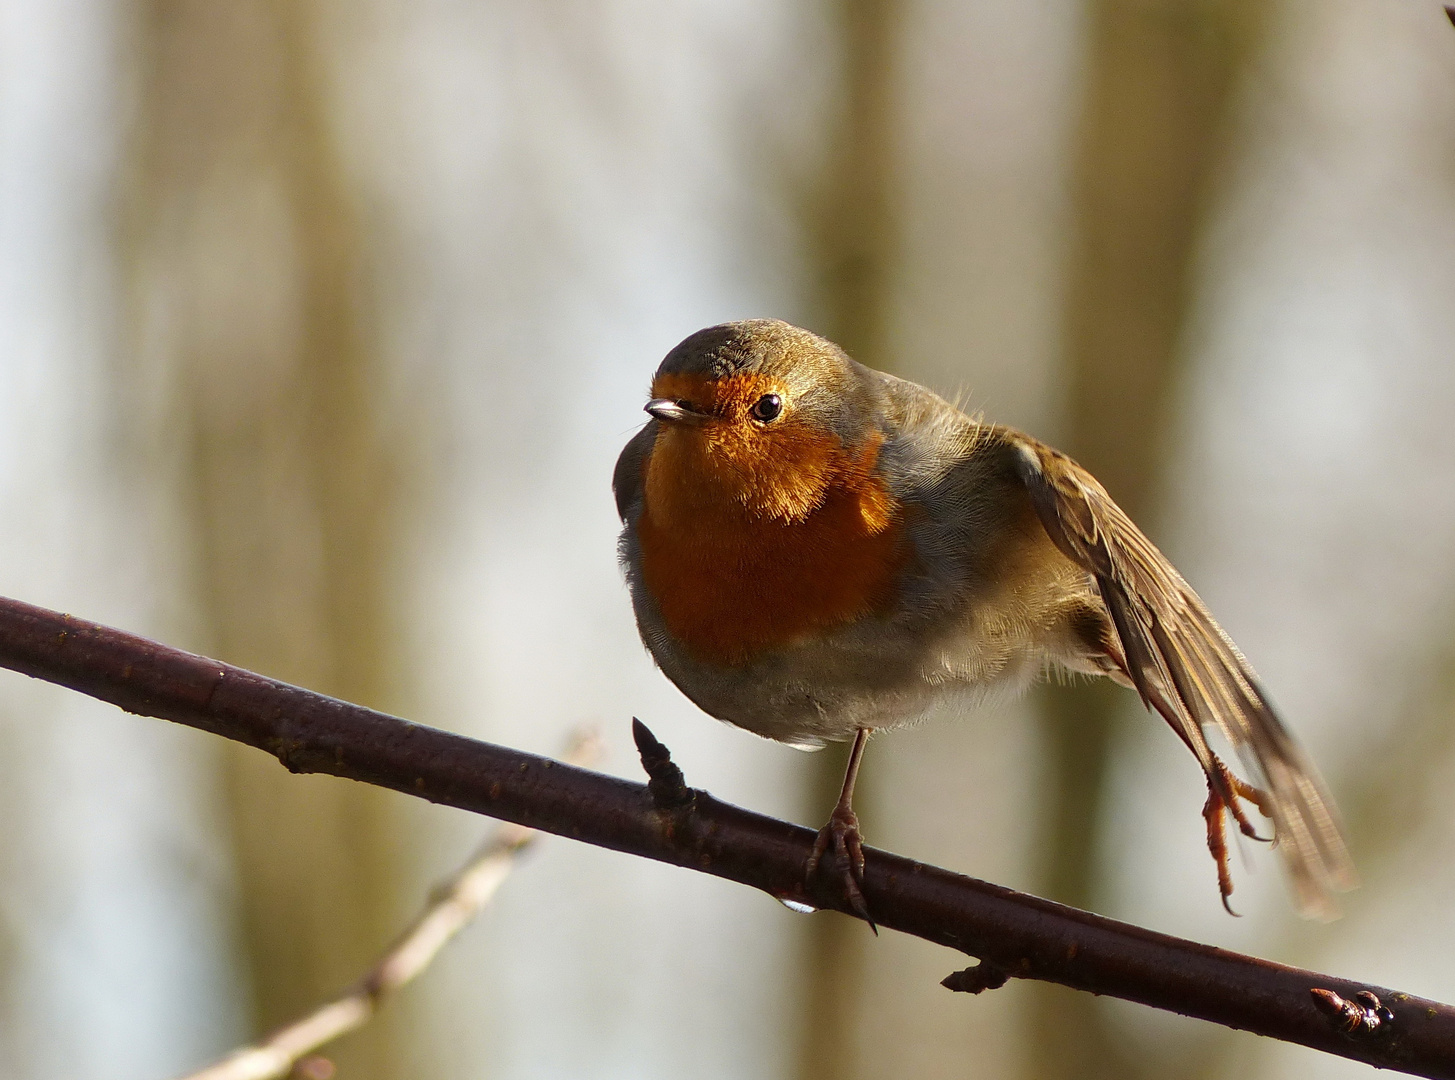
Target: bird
816,551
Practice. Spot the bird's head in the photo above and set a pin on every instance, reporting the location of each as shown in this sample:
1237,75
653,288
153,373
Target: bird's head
763,416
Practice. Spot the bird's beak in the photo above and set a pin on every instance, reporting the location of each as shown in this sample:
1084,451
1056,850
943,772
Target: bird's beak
674,412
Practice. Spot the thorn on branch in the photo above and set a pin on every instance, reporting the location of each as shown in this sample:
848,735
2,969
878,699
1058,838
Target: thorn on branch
1450,14
664,779
974,980
1360,1018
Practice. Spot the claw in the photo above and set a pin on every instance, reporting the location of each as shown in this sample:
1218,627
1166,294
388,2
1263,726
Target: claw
841,834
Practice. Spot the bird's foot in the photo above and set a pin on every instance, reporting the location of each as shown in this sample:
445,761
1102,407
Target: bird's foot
1223,792
841,836
1235,789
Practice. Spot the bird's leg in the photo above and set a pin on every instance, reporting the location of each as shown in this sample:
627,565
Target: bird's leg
842,834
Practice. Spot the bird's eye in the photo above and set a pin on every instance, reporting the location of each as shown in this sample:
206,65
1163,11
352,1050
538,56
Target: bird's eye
767,408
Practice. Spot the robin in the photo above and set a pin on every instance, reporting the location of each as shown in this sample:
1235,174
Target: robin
817,551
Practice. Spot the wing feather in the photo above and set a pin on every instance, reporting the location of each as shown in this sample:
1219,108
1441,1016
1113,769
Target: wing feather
626,478
1185,666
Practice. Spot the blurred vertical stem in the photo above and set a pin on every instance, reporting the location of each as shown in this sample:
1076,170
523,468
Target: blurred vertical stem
1159,77
247,262
851,228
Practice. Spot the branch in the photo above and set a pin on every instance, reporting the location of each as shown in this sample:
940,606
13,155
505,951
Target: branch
455,903
1013,934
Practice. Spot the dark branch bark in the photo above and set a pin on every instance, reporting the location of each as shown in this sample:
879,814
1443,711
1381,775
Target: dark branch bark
1015,934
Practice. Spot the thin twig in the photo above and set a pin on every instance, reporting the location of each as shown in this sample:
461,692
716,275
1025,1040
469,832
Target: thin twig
455,903
1023,936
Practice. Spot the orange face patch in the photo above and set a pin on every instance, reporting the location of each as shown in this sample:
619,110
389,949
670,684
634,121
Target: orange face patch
753,536
779,470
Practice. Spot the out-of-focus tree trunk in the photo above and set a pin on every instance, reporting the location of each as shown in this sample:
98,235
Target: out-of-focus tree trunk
1159,76
851,230
852,226
247,260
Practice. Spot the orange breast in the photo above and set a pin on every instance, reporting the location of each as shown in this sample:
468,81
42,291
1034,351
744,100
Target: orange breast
731,582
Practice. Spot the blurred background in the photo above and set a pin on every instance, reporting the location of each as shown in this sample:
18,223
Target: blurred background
321,326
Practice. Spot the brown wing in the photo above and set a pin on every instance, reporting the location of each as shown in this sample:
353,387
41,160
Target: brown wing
626,479
1185,666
